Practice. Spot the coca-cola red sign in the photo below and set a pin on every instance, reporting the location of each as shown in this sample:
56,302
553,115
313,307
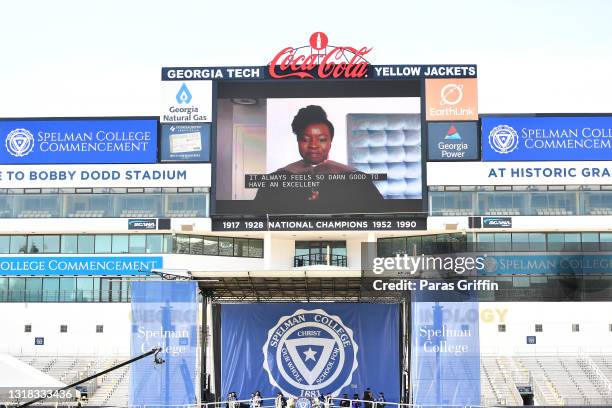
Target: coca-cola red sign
318,59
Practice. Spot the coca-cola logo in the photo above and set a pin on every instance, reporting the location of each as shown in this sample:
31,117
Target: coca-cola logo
319,59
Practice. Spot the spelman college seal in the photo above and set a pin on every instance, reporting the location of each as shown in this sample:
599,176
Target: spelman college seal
310,353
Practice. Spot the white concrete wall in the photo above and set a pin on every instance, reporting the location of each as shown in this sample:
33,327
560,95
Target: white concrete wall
280,255
528,223
81,319
556,318
96,226
594,336
211,263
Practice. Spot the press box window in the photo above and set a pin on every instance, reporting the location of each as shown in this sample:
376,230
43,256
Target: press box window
501,328
575,327
63,328
539,328
27,328
99,328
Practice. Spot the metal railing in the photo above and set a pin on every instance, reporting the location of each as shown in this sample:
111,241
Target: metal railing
320,259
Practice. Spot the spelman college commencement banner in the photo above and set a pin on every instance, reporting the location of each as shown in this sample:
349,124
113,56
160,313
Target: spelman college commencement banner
310,349
445,353
164,314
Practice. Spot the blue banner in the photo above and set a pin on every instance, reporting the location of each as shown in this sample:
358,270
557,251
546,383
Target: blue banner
520,138
86,265
309,350
164,314
445,354
185,143
535,264
71,141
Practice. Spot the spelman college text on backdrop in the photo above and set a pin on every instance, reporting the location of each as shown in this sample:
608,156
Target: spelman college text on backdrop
524,138
165,315
310,350
78,141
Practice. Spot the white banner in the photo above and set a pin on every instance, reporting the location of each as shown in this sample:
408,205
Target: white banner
108,175
186,101
519,173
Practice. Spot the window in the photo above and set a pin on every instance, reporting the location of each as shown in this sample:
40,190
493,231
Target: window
137,244
35,244
590,241
64,328
99,328
610,327
501,328
537,241
27,328
241,247
572,242
103,244
120,244
181,244
556,242
51,244
18,244
539,328
86,244
69,244
84,290
575,327
4,286
34,289
154,244
256,248
211,246
520,241
413,246
226,246
605,241
196,245
17,289
5,244
67,289
485,242
51,289
502,242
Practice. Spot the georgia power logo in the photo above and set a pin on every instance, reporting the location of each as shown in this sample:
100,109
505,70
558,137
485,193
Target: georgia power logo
503,139
19,142
310,353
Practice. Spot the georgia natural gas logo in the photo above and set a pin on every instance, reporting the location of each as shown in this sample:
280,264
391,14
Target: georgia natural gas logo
310,353
19,142
503,139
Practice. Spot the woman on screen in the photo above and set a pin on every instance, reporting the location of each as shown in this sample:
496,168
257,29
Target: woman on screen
314,135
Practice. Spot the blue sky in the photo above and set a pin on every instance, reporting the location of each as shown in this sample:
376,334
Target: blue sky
103,58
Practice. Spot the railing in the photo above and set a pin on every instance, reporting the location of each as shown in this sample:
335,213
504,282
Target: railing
93,205
68,296
335,402
320,259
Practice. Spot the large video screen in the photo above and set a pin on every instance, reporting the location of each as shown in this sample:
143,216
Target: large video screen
287,148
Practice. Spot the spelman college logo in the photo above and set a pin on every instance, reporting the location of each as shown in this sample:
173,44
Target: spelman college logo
503,139
310,353
19,142
319,59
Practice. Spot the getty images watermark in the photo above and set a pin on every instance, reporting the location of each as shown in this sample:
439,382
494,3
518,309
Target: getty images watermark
440,272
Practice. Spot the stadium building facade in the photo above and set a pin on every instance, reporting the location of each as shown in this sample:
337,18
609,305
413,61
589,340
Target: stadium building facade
280,236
